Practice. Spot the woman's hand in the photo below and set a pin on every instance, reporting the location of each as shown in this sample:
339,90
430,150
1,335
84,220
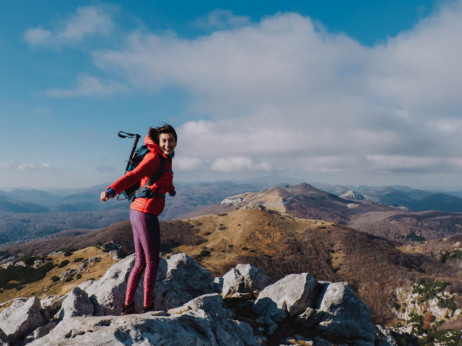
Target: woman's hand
104,196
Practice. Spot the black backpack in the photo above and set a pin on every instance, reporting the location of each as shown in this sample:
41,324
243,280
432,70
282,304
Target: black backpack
136,156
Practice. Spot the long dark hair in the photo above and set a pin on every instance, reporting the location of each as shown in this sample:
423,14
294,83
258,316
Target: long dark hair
154,132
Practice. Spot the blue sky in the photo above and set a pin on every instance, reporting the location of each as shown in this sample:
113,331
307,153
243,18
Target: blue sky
339,92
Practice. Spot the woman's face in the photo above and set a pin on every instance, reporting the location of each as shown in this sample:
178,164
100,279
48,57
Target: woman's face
167,143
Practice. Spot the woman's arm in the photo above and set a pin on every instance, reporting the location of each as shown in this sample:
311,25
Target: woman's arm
147,167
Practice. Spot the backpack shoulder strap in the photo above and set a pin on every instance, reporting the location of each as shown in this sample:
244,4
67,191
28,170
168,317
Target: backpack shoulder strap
159,172
145,191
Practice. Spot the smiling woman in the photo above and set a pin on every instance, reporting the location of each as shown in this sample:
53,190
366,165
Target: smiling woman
145,208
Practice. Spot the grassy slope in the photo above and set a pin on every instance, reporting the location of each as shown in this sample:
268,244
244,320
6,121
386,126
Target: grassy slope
48,287
280,244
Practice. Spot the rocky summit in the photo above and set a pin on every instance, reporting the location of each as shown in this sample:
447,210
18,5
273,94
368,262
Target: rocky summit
193,308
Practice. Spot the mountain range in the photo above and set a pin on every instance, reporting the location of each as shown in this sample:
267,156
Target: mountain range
404,197
202,194
377,249
33,214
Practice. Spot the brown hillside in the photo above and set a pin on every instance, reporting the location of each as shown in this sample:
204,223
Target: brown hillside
302,200
49,287
119,232
306,201
280,244
399,224
173,233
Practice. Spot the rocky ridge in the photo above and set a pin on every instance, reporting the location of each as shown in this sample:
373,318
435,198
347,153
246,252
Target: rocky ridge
240,308
350,194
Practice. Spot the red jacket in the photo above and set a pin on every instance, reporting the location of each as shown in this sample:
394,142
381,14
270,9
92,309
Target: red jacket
147,168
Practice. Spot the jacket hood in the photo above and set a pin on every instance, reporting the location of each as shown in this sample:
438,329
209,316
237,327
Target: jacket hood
153,147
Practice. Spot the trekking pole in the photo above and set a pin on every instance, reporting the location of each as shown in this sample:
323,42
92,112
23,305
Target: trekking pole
123,134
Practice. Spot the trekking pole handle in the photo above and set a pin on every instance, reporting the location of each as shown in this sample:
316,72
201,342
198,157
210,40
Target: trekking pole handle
123,134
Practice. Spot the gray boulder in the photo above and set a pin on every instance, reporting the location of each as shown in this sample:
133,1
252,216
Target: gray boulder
75,304
244,278
3,337
40,332
288,296
184,280
170,294
218,284
21,318
108,293
183,269
210,304
203,321
385,337
179,279
344,316
51,305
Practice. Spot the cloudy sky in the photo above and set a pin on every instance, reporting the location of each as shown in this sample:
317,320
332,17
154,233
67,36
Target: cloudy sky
338,92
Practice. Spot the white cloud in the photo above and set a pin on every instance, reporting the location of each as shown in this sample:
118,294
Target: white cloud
284,93
221,20
239,163
22,166
449,126
90,86
185,163
86,22
420,69
37,36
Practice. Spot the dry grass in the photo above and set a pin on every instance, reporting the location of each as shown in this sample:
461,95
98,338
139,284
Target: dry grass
278,244
249,232
400,224
47,287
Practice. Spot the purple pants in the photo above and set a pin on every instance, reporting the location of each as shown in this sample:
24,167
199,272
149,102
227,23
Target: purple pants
146,235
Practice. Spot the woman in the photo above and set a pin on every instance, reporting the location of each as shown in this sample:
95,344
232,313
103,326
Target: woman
161,142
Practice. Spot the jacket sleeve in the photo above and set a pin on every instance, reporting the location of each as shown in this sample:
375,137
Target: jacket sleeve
166,187
147,167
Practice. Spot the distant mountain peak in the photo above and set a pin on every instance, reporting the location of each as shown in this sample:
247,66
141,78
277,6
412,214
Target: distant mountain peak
351,194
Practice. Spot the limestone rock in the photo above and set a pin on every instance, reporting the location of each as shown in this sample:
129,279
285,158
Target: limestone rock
350,194
40,332
108,293
51,305
289,296
385,337
84,285
21,318
244,278
211,304
37,263
184,269
184,280
344,315
218,284
170,294
161,270
75,304
416,304
203,321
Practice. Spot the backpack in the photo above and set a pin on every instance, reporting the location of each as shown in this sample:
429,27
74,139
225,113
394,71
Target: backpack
136,156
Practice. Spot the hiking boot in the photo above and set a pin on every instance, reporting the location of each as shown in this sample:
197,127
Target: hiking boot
148,308
128,309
